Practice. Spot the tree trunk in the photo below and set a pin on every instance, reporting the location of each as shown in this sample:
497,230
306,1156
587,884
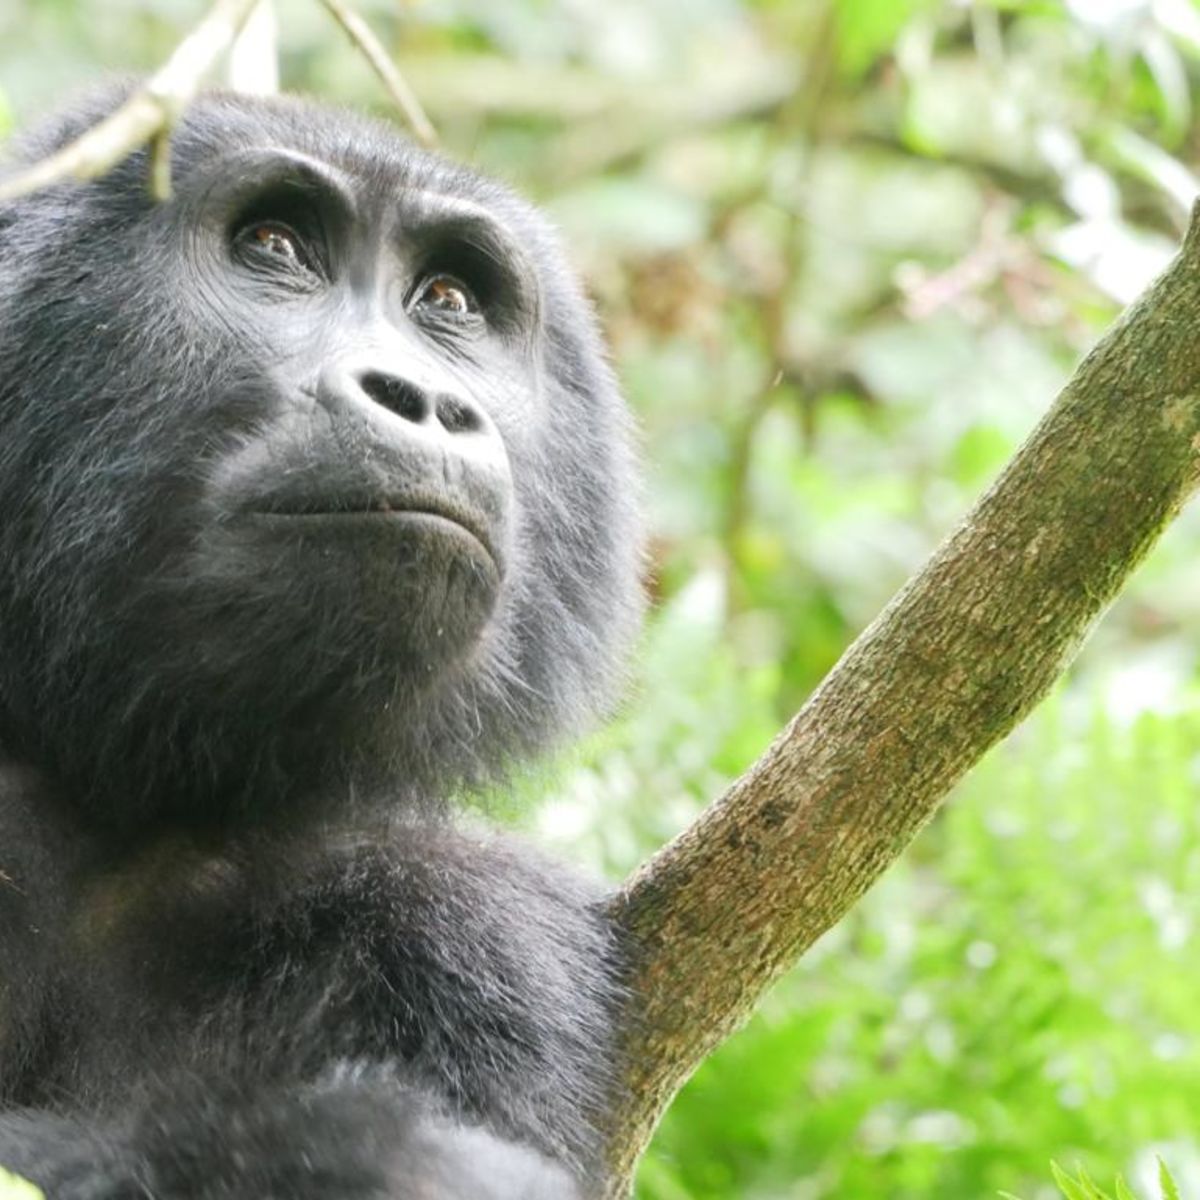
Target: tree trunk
960,655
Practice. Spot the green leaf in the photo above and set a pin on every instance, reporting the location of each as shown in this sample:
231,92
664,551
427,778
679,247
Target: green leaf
1169,1190
868,28
13,1187
1123,1192
1079,1188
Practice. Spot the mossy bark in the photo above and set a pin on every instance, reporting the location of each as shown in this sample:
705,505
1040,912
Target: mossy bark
958,657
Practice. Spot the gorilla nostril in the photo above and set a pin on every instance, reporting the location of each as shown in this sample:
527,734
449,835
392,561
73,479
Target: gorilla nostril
457,416
413,403
397,395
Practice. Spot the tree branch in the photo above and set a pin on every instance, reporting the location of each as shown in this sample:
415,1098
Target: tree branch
150,113
965,650
405,98
252,65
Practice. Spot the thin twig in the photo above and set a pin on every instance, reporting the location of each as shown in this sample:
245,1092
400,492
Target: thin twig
150,112
160,164
252,65
360,34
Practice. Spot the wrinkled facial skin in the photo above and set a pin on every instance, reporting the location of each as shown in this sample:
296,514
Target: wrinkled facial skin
312,475
370,473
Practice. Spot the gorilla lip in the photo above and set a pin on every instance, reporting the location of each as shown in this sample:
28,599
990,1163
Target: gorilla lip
381,509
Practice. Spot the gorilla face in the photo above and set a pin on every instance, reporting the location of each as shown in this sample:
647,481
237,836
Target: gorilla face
313,476
388,325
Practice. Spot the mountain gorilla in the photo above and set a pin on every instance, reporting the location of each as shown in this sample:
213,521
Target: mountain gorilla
318,510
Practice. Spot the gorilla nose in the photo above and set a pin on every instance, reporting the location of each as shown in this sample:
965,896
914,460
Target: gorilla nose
407,399
414,403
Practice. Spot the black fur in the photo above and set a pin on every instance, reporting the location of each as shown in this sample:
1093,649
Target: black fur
247,952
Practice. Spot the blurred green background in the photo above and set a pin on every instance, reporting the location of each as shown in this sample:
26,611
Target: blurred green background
846,251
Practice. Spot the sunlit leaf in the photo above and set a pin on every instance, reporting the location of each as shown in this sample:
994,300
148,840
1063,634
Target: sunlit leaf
1151,162
13,1187
1166,1182
1181,18
1079,1188
867,27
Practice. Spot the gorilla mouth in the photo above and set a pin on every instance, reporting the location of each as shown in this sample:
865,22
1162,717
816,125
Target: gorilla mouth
343,509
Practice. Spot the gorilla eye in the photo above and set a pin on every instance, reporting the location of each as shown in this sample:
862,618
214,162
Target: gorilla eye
276,239
445,294
275,243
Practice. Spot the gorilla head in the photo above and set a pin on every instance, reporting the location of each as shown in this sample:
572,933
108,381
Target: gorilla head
313,475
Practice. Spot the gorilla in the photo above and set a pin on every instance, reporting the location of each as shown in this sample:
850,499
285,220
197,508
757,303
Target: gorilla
318,514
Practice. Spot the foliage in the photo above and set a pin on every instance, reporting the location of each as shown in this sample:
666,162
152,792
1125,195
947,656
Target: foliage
1081,1186
13,1187
846,251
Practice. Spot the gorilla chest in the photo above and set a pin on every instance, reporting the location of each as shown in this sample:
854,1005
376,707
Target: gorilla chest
452,961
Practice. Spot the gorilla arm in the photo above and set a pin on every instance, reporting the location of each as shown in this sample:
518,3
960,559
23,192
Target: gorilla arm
360,1140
